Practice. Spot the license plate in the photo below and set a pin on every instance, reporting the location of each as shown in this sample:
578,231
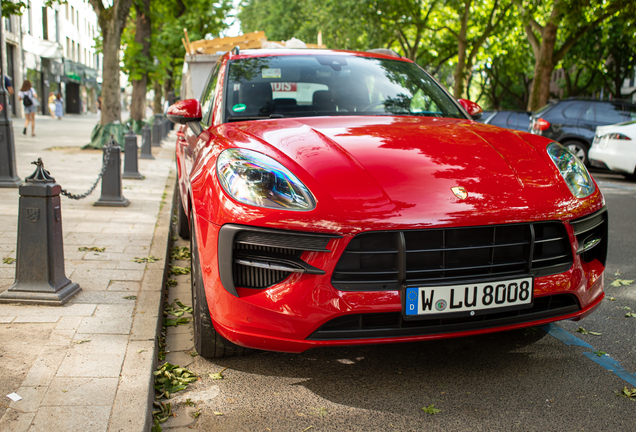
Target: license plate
469,299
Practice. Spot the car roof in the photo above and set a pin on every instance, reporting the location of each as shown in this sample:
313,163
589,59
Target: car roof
250,53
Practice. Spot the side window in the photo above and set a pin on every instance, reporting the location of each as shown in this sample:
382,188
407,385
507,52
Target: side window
573,110
207,100
608,113
630,112
500,119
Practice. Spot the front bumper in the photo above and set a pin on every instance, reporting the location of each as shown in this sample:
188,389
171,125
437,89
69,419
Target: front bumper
305,310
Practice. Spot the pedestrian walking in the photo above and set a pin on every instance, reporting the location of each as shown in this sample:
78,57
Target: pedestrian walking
51,104
59,106
29,99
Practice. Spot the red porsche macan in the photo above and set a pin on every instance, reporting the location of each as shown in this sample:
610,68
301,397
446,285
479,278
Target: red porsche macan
345,198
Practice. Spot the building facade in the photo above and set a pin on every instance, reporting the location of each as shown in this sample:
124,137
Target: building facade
54,48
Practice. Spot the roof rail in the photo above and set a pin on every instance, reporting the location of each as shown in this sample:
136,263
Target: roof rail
385,51
236,50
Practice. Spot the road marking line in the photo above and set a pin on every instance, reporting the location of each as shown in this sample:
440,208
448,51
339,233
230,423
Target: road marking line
606,361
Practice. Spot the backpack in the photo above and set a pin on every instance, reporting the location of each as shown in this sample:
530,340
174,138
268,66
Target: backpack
26,100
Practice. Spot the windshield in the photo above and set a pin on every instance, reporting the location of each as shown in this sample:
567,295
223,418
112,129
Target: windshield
330,85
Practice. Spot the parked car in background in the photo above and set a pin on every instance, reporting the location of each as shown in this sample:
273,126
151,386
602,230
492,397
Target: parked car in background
518,120
486,115
573,122
343,198
614,148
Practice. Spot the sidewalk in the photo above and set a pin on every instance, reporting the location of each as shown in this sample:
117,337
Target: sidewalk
86,366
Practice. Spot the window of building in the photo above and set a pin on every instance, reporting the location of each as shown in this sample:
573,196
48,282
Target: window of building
57,26
45,23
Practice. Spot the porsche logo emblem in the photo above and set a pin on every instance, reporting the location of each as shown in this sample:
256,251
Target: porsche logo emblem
460,192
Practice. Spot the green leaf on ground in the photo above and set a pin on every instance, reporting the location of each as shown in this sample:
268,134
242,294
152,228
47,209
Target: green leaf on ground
81,341
171,378
130,298
600,353
583,331
171,282
611,298
176,308
175,322
630,315
176,270
180,253
8,260
148,259
431,410
91,249
627,393
217,376
218,413
196,414
621,282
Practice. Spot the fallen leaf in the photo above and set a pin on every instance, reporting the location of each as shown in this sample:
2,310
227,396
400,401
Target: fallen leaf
583,331
611,298
81,341
148,259
130,298
431,410
218,413
176,270
630,315
8,260
92,249
171,282
600,353
627,393
619,282
217,376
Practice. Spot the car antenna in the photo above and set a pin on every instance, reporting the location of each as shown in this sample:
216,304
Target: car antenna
236,50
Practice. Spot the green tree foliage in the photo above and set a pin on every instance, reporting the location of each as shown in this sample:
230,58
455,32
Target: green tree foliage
18,7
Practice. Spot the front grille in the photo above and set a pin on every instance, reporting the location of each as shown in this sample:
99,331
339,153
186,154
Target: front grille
385,260
392,324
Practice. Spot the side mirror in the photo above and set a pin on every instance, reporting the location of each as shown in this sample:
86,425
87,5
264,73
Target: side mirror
472,108
184,112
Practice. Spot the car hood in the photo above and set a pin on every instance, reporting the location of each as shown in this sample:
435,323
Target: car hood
390,172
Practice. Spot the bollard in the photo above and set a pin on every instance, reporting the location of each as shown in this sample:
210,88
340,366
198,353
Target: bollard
131,170
156,131
39,272
146,147
111,180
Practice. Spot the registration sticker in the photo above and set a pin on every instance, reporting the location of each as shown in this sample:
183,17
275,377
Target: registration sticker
469,299
239,108
271,73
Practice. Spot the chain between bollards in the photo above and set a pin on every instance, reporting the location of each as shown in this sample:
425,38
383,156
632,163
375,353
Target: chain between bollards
67,194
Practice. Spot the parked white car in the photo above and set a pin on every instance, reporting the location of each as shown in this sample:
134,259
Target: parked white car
614,148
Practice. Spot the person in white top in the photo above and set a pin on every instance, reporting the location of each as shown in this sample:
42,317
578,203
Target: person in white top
29,99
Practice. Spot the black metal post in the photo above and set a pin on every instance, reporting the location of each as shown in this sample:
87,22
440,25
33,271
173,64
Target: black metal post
156,131
131,170
8,173
111,180
146,145
39,274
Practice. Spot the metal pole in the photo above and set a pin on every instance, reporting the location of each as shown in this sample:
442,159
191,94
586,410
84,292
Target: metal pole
8,173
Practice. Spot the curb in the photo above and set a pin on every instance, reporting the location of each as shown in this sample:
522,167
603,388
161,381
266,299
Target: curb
132,410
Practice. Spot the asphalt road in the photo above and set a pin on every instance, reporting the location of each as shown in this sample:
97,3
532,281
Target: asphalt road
526,380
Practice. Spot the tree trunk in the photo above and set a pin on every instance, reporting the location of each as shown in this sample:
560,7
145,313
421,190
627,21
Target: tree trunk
462,43
156,103
544,68
112,21
143,34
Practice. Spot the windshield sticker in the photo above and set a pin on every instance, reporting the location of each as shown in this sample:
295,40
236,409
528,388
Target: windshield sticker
271,73
239,108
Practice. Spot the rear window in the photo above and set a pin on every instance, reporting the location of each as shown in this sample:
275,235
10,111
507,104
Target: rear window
310,85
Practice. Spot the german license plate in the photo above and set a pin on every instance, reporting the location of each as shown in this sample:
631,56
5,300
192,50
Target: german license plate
471,299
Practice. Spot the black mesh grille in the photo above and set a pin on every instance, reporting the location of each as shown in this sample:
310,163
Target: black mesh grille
254,277
591,233
386,260
392,324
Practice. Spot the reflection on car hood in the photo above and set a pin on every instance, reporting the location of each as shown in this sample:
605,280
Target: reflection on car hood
400,170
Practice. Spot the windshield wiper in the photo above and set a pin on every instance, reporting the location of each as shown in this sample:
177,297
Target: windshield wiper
246,118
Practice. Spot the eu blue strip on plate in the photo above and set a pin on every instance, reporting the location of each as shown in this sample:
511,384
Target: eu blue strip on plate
411,301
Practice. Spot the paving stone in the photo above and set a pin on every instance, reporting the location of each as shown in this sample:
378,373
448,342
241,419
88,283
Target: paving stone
179,342
180,358
135,385
153,280
103,297
6,320
91,365
14,421
36,319
106,325
115,311
183,419
75,419
31,398
68,323
81,392
116,285
61,337
45,366
71,310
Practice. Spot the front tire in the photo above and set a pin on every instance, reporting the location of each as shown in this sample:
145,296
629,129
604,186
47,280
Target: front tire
207,342
578,149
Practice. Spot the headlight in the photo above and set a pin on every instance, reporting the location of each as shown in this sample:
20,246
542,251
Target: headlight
255,179
572,170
